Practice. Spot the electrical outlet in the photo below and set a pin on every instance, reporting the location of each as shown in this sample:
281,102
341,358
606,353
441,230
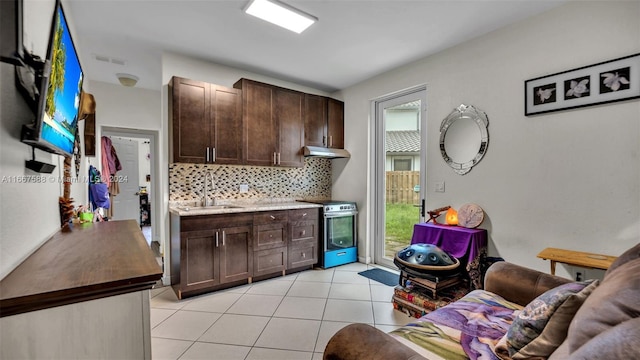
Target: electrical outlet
439,186
579,276
244,188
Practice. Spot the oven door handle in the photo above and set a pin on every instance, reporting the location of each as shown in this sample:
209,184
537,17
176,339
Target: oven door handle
340,214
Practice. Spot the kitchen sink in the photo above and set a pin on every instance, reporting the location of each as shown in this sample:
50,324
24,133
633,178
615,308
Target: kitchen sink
211,207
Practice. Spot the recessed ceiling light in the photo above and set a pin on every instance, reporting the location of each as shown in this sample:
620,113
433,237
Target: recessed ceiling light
280,14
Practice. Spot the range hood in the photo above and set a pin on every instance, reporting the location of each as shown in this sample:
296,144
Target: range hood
330,153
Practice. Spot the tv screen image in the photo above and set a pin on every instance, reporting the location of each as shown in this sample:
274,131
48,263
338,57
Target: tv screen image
59,117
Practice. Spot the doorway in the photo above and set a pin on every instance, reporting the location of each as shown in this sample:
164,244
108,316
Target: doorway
399,171
137,199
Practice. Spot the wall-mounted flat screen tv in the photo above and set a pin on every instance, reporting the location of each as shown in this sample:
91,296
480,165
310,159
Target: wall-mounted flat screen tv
56,121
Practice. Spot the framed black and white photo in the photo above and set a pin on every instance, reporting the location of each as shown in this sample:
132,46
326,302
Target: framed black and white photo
605,82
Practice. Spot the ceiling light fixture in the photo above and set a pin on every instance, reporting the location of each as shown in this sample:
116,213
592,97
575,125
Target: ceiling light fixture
127,79
280,14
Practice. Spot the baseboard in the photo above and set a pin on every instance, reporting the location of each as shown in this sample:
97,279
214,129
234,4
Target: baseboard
364,259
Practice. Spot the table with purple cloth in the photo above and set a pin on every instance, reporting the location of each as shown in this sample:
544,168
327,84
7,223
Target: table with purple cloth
467,245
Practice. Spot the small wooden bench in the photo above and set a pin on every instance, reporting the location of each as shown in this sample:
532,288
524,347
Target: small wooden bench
576,258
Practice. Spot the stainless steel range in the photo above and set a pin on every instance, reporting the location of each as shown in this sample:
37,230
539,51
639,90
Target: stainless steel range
338,228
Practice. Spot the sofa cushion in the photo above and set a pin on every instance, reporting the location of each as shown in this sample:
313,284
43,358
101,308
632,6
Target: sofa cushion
627,256
619,342
542,325
613,302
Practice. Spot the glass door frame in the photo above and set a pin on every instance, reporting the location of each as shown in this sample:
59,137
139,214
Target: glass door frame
378,157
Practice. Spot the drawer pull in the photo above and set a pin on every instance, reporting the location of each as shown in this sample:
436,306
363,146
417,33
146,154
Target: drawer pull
341,253
272,217
304,255
304,232
305,214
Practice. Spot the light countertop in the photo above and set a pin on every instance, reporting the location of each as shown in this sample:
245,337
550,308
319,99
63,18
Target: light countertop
185,210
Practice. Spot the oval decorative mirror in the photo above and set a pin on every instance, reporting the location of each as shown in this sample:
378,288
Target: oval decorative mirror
464,138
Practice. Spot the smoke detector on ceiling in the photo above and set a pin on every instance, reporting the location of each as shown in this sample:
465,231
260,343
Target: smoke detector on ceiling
127,79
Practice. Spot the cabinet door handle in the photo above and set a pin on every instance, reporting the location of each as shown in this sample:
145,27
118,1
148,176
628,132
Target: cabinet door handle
216,239
272,217
324,141
304,255
304,232
278,158
208,154
304,214
213,152
223,237
331,141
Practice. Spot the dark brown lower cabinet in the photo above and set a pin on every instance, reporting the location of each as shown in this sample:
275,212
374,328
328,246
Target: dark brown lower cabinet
269,261
199,260
270,246
211,252
303,246
236,257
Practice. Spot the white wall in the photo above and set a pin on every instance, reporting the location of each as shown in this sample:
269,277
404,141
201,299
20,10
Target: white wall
190,68
123,107
131,109
568,179
29,212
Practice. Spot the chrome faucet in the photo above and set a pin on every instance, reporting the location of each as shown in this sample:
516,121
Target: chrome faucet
205,198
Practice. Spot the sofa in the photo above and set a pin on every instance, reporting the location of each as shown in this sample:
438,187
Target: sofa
520,314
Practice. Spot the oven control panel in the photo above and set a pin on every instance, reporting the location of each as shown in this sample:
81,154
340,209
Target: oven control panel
339,207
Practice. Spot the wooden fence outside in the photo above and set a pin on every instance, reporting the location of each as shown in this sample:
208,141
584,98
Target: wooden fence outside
401,187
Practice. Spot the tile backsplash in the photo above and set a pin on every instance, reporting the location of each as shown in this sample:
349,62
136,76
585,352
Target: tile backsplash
313,181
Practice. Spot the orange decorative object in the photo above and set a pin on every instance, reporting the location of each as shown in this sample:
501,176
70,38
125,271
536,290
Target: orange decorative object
451,217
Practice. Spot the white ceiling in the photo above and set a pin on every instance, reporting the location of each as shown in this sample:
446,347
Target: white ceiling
352,41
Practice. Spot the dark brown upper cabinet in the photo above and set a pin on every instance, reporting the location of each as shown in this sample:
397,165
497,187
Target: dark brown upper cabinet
273,124
335,123
323,122
315,120
206,122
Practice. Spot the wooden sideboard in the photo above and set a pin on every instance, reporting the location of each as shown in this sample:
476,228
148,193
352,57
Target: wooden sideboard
83,294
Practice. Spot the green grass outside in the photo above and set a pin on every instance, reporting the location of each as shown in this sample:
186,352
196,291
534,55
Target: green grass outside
399,226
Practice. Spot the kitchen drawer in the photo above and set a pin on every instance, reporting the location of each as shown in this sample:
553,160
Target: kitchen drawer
303,254
303,230
270,261
269,236
269,217
304,214
209,222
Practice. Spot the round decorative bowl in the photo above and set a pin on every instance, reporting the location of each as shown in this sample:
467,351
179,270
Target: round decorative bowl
426,259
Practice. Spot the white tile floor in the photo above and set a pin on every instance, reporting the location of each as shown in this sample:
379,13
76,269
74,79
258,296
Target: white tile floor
290,317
